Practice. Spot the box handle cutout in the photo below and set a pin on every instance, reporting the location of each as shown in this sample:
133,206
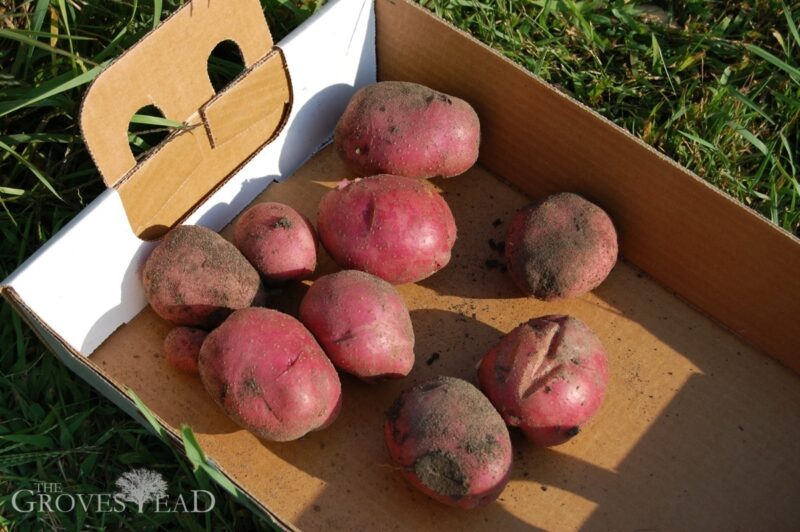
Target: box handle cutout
225,64
147,129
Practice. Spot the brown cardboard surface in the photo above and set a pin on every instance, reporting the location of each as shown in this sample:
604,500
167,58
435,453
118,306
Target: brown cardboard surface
699,430
731,263
176,82
252,108
165,186
221,130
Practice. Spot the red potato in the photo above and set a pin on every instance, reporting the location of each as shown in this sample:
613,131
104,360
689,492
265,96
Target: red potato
362,324
402,128
449,442
196,278
182,347
548,377
397,228
266,371
560,247
279,241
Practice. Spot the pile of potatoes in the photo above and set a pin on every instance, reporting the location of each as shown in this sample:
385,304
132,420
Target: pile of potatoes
276,375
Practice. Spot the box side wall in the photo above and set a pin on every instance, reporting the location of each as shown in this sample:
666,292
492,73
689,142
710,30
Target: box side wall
716,254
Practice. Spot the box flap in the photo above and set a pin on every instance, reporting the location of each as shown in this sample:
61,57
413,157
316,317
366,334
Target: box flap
167,69
172,178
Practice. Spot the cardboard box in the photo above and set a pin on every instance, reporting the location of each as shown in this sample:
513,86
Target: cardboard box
701,423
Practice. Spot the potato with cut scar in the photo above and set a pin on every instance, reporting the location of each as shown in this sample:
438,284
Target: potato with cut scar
398,228
269,375
548,377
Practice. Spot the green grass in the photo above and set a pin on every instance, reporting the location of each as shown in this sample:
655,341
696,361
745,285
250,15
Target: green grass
714,85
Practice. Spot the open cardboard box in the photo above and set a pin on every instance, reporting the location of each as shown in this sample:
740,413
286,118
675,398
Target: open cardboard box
701,424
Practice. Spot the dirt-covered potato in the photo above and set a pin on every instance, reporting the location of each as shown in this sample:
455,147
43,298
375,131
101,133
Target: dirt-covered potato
560,247
362,323
402,128
398,228
548,377
196,278
269,375
449,442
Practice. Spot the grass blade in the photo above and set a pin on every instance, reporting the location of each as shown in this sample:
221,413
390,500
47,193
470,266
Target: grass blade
155,121
62,6
750,103
790,22
197,457
58,85
789,154
148,415
23,37
200,463
30,166
157,11
775,61
749,137
24,138
698,140
32,440
25,53
11,191
12,460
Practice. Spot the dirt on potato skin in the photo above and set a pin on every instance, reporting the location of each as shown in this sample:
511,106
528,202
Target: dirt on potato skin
453,429
559,247
279,242
196,278
441,472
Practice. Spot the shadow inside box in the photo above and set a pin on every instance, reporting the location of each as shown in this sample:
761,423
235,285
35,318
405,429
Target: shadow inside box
703,415
449,343
695,468
710,433
482,207
286,297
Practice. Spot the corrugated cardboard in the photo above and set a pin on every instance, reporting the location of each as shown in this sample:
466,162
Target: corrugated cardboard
700,426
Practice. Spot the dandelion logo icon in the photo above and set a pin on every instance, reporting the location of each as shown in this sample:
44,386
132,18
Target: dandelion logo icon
140,486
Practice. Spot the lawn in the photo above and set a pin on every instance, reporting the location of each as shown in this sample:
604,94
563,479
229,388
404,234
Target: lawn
714,85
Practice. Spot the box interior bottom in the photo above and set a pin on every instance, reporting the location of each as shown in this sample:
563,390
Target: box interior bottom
698,429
